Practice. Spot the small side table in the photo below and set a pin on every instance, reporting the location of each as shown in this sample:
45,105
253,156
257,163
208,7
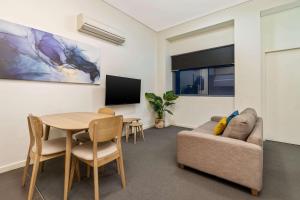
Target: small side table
137,127
126,122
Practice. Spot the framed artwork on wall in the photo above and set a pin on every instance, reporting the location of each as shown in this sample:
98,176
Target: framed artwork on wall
30,54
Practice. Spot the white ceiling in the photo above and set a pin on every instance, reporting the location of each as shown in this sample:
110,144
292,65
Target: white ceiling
162,14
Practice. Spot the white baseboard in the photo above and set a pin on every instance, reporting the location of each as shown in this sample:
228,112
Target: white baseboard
184,125
12,166
147,126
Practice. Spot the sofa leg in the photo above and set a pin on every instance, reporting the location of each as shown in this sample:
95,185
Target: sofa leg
181,166
254,192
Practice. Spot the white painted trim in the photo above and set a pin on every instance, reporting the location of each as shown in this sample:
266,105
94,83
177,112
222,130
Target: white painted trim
227,23
280,50
283,142
12,166
147,126
184,125
281,8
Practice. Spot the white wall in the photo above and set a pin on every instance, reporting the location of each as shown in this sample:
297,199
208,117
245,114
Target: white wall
247,40
281,30
281,83
191,111
217,36
282,96
137,59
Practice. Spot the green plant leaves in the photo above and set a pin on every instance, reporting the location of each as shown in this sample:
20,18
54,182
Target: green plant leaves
170,96
159,104
168,103
152,98
168,111
155,101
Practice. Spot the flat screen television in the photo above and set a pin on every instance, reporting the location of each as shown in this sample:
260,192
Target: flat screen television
122,90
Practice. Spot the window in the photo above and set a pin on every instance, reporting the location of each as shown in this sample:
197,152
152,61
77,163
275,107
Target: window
212,81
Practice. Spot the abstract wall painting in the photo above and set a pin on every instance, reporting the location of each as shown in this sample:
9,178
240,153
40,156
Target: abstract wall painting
30,54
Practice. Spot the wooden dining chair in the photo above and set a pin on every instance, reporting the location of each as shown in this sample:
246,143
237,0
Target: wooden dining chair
84,137
40,150
107,111
105,147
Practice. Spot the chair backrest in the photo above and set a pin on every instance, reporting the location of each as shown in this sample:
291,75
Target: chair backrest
35,127
106,129
107,111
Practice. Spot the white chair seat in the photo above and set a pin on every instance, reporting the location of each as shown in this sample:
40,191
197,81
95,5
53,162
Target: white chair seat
83,137
85,151
52,146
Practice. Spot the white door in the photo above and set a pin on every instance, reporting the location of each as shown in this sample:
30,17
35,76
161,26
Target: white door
282,122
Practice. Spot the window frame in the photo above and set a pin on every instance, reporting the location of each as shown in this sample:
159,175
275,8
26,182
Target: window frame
174,88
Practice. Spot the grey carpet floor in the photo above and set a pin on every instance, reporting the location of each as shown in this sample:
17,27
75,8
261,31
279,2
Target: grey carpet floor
152,174
11,189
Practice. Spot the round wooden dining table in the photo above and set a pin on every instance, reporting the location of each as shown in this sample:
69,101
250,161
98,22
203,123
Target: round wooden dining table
71,123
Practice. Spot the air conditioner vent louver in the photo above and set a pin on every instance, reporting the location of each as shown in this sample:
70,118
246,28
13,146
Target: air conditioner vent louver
99,30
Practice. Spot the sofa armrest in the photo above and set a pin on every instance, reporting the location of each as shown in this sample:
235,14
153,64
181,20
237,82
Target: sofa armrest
232,159
216,118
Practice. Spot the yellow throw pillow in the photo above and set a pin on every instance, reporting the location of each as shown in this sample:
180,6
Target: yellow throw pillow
220,127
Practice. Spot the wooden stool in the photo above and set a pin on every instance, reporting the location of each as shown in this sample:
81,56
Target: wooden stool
126,123
137,127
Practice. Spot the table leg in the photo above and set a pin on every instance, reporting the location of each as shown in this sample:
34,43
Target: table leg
67,163
126,131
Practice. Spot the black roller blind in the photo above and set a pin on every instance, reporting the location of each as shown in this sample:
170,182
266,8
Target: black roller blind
219,56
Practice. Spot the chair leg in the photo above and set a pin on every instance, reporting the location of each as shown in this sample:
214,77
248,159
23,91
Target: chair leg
33,177
46,137
131,131
122,172
118,166
134,134
73,166
42,167
127,132
142,131
96,183
26,168
139,131
40,170
77,169
88,171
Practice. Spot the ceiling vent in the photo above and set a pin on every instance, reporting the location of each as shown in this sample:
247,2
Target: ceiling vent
98,29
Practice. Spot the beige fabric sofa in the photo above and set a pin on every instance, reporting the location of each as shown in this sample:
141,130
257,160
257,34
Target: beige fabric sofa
232,159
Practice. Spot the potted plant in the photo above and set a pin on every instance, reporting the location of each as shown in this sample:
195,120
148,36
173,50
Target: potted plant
160,105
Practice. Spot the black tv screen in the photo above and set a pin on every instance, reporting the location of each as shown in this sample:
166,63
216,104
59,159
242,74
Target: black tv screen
121,90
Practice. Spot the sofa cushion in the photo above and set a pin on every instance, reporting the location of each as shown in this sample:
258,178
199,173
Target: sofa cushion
242,125
256,136
207,127
250,111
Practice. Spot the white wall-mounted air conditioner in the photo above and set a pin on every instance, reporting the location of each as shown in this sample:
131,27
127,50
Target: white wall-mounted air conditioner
99,30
